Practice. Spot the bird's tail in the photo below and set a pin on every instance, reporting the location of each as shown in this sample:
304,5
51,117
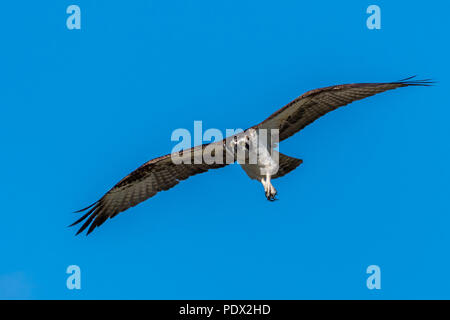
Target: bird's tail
286,164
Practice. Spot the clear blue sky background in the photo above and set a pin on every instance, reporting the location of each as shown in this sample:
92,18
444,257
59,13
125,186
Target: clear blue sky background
80,109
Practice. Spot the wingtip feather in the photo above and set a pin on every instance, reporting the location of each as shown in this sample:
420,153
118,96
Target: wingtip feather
411,81
81,210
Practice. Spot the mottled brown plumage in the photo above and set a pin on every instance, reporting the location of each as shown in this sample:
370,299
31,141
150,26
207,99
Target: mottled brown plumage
313,104
156,175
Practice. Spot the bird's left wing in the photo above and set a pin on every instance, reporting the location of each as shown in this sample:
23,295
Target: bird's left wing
315,103
156,175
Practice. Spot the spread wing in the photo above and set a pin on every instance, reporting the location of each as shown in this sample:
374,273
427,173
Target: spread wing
315,103
156,175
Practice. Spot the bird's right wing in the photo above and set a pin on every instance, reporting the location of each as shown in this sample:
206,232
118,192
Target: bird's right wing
152,177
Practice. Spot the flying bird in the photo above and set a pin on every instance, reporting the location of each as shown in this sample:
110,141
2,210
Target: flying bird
163,173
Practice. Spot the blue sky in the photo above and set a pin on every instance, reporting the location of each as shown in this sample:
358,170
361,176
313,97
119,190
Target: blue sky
82,108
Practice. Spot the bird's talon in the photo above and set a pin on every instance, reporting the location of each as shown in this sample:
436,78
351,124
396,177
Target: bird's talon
271,196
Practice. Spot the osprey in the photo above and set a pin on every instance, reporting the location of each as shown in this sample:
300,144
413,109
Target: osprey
163,173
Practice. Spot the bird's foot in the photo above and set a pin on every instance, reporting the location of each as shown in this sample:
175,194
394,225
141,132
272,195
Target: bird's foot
271,193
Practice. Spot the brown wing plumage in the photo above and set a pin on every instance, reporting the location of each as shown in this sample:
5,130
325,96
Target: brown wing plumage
315,103
156,175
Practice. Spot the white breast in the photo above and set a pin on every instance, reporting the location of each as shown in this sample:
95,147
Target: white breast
265,164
